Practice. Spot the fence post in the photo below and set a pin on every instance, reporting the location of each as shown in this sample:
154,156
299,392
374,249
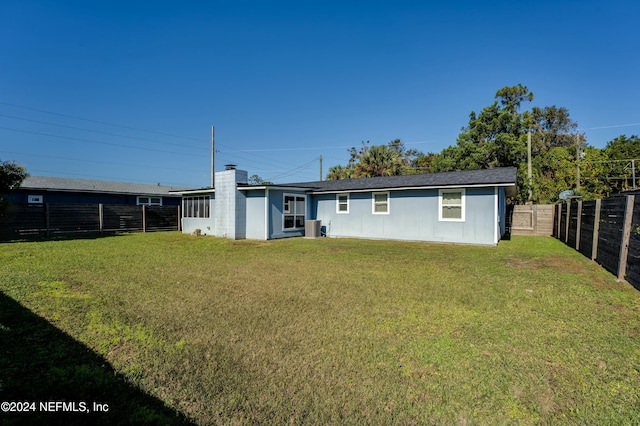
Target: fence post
596,230
101,218
567,222
578,224
626,234
144,218
559,213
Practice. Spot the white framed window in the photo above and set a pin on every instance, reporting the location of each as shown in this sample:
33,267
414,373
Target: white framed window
380,203
342,203
35,199
144,200
196,206
451,205
293,210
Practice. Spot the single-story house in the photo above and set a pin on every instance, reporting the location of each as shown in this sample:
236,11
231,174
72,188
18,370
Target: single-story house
455,207
55,190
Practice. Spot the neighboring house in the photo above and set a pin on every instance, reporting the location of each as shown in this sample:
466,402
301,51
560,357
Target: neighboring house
55,190
455,207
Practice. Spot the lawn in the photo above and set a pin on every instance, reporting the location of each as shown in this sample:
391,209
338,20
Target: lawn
168,328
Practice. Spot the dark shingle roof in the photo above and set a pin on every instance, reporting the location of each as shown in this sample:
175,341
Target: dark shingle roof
489,177
84,185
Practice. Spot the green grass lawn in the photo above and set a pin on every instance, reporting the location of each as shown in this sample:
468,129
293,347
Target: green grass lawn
326,331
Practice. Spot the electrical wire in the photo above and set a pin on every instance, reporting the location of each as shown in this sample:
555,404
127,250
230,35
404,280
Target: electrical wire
102,133
99,122
98,142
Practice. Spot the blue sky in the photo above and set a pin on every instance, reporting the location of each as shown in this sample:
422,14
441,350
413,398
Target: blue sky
128,91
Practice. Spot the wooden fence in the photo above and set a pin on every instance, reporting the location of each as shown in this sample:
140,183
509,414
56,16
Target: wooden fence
607,231
532,219
49,220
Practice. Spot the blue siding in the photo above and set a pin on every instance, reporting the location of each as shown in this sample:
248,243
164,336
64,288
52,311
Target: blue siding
413,215
276,200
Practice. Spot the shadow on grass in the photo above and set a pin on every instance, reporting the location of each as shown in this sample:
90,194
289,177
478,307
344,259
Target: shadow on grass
41,364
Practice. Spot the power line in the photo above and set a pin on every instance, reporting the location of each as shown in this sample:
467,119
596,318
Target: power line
611,127
100,122
294,171
100,132
91,161
97,142
105,177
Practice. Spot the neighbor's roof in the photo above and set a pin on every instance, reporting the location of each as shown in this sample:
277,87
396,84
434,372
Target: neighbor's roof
84,185
503,176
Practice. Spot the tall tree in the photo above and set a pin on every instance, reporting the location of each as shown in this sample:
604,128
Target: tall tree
551,127
496,137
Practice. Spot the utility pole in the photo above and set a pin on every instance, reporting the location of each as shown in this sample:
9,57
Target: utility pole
577,162
529,173
320,166
213,168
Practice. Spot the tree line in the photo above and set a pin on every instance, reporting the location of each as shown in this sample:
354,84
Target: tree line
499,136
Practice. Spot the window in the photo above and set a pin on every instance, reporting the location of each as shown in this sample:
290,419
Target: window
294,211
195,206
35,199
452,205
380,202
149,201
342,203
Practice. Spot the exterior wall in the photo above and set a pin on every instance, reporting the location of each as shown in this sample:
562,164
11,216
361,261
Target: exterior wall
276,207
256,222
413,215
502,212
20,196
206,225
231,209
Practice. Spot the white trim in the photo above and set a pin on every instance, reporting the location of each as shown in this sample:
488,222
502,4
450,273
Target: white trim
195,191
149,203
373,202
405,188
294,212
496,235
266,214
463,200
35,199
283,188
338,211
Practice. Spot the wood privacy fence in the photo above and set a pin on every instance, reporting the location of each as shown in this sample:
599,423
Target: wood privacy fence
607,231
49,220
534,219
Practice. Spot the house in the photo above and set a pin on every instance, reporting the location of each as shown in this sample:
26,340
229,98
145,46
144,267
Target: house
455,207
55,190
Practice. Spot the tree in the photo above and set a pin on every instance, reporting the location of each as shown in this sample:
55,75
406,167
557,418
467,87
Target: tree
257,180
551,127
379,160
620,152
496,137
11,177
